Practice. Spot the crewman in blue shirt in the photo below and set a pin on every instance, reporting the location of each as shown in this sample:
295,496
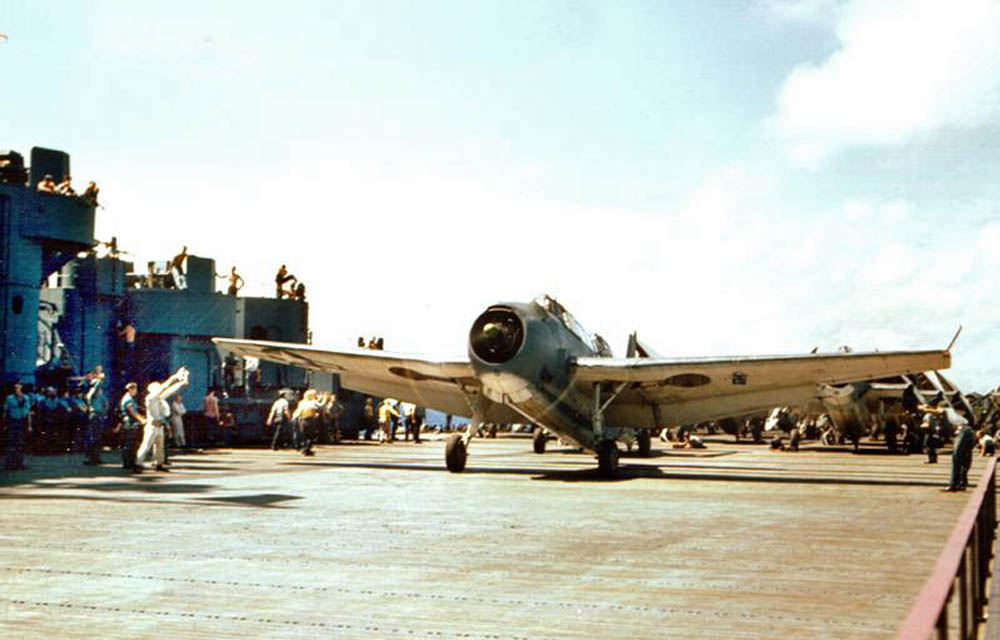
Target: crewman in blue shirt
97,414
17,414
50,422
131,425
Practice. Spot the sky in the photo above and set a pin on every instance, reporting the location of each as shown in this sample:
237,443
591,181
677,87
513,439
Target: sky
726,177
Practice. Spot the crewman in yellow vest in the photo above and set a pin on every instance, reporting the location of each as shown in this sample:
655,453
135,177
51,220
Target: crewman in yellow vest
385,412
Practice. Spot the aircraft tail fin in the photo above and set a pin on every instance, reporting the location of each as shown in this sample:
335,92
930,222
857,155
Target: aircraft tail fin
636,349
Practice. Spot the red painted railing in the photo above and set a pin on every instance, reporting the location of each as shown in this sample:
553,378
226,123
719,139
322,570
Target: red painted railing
965,563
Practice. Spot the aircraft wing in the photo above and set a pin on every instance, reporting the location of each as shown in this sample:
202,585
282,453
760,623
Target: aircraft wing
426,381
660,391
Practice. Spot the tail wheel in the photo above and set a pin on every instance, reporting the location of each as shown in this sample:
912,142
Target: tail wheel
539,441
455,454
644,438
607,458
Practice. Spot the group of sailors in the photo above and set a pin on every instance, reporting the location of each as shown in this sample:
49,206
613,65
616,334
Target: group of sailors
175,276
48,423
391,414
65,188
78,421
315,418
375,344
287,286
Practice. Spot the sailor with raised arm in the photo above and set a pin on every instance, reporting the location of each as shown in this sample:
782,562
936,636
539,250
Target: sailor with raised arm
157,417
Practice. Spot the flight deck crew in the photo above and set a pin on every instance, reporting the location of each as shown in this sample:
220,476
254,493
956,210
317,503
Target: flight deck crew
929,427
77,423
961,459
17,414
987,444
131,421
50,419
97,414
158,416
411,418
177,411
307,416
368,418
332,409
278,418
794,439
386,413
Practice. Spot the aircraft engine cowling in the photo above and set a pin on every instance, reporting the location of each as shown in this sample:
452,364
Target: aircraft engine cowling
497,335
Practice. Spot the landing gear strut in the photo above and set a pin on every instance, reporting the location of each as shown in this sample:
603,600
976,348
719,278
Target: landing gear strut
607,458
607,450
456,450
539,440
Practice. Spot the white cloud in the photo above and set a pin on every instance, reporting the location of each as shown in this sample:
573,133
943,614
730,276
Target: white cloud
805,11
905,68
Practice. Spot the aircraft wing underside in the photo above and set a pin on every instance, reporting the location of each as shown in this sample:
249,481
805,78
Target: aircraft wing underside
423,380
686,390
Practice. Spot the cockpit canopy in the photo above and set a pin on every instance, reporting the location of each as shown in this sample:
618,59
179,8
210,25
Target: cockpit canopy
594,341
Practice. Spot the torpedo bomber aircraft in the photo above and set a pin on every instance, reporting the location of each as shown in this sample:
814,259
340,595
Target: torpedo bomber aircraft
533,362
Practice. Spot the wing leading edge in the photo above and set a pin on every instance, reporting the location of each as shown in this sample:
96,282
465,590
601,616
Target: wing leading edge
698,389
427,381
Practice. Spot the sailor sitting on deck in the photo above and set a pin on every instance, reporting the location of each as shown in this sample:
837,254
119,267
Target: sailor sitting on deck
46,184
65,188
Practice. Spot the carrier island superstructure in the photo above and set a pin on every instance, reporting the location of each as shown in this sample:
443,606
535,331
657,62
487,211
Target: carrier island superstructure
65,305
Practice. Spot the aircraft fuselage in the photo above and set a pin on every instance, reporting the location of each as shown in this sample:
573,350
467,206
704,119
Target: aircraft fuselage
521,353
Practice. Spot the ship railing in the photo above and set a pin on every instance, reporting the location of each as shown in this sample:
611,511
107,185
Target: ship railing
963,565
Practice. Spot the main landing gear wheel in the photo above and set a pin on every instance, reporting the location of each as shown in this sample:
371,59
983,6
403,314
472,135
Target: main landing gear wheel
455,453
539,441
607,458
643,437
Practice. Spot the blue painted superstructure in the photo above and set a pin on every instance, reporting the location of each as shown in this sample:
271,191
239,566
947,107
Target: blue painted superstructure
65,308
39,233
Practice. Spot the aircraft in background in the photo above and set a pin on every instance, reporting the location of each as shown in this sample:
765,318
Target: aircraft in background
532,361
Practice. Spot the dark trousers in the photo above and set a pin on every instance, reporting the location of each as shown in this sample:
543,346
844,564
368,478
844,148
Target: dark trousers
309,427
960,463
930,446
128,361
130,445
279,426
890,441
92,439
16,429
413,428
